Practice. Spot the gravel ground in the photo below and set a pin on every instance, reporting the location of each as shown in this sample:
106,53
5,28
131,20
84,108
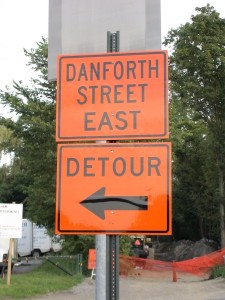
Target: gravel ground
158,287
148,289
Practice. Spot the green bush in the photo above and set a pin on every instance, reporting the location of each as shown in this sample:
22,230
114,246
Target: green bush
125,244
218,271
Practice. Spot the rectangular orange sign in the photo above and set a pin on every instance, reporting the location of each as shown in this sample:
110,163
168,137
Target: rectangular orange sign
112,96
91,259
114,188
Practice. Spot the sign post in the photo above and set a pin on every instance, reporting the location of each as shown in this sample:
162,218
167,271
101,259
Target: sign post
108,97
113,96
10,227
9,269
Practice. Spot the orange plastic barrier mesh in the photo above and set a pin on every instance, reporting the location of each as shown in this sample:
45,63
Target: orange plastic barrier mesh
199,266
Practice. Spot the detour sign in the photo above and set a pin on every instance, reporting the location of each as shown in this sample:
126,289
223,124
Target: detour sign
114,188
112,96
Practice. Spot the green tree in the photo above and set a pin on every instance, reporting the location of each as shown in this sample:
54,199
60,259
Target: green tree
13,183
193,206
197,72
34,130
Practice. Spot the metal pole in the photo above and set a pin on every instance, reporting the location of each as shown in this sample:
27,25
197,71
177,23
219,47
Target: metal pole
112,241
100,283
107,247
112,267
100,278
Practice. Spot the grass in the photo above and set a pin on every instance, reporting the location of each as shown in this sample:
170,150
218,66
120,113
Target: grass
45,279
218,271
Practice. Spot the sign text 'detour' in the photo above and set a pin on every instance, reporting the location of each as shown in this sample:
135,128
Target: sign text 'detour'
114,188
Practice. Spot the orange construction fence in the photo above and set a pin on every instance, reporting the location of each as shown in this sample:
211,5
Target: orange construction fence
199,266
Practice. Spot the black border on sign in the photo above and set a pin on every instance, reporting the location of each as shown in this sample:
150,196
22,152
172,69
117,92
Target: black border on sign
161,135
167,229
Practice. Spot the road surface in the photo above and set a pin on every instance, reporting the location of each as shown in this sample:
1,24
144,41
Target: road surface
148,289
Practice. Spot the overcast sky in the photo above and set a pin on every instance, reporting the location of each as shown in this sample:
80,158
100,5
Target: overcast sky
24,22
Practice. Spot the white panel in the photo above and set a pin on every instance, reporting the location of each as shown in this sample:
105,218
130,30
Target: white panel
81,26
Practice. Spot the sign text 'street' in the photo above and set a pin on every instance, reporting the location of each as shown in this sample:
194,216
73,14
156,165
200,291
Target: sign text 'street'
112,96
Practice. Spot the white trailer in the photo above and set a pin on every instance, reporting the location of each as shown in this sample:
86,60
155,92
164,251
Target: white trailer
35,240
25,243
4,248
42,242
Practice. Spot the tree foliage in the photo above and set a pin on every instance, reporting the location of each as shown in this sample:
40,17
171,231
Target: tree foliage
33,128
197,72
193,205
197,123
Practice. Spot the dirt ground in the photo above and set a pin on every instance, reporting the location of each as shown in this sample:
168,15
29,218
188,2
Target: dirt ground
159,286
148,289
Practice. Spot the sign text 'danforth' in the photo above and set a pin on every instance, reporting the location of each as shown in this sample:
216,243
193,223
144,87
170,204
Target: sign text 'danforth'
112,96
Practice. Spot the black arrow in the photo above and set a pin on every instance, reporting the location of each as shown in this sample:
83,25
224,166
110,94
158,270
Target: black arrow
97,203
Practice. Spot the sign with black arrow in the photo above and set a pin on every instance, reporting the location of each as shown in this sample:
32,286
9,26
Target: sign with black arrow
98,202
114,188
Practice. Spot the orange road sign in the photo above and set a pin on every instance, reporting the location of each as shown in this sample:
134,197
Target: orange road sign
112,96
114,188
91,259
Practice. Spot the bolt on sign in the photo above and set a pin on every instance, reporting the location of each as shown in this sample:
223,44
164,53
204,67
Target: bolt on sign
114,188
112,96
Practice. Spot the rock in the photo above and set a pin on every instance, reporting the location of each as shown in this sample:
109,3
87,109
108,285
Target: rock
183,249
